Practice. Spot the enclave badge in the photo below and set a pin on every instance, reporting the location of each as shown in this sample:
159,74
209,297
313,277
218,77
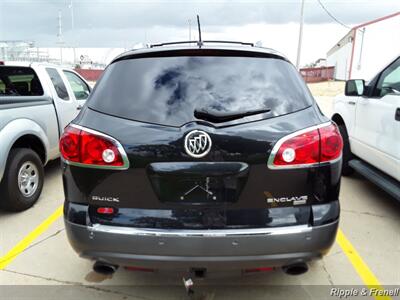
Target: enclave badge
296,200
197,143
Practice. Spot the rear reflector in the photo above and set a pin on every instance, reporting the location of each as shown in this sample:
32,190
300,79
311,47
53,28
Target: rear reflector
105,210
86,147
331,143
140,269
262,269
307,147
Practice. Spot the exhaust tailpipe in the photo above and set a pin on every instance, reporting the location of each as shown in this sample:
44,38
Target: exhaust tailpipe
104,268
296,268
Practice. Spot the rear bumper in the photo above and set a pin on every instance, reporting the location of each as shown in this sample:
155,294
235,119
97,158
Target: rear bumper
211,249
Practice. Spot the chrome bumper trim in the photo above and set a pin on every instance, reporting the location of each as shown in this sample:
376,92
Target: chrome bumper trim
199,233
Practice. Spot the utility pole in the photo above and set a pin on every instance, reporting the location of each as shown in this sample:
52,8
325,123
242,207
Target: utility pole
300,35
60,36
190,29
59,27
71,7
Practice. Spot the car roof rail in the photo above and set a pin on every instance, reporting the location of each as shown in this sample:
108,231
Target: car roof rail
201,43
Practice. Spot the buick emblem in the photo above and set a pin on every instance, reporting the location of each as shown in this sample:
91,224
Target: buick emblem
197,143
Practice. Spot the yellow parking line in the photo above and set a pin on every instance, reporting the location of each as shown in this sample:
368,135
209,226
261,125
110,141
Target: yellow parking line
360,266
26,241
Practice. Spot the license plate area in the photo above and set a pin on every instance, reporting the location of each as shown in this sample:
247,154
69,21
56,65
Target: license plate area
199,190
190,184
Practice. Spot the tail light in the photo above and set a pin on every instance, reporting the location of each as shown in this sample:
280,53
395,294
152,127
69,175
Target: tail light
86,147
140,269
308,147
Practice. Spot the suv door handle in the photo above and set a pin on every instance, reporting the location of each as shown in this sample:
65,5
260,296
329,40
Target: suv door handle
397,114
351,102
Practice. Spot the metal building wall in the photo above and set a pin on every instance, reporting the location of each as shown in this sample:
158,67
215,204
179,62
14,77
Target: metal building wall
340,59
375,45
366,49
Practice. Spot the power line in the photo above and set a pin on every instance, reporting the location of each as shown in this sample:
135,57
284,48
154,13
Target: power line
332,16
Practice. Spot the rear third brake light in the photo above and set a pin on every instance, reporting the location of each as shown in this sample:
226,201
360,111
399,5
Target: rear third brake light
86,147
307,147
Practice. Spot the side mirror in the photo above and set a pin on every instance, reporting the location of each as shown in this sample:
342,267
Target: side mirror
354,87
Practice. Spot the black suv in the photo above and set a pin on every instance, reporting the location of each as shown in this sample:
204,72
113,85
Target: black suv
205,157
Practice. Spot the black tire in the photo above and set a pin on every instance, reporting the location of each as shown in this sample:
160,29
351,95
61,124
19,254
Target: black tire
12,198
347,155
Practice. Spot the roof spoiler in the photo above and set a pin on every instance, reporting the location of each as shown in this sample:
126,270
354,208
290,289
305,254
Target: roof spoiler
202,42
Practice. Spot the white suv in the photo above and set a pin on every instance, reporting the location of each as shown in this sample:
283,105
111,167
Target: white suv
368,116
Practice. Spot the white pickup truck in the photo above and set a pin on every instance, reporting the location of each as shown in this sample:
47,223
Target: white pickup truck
36,102
368,115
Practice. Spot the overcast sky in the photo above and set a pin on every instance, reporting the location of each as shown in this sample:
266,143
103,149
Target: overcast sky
124,23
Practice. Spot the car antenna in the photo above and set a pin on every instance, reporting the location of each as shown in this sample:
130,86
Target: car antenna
200,42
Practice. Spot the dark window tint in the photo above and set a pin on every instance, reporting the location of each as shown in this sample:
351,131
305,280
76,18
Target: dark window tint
19,81
58,83
167,90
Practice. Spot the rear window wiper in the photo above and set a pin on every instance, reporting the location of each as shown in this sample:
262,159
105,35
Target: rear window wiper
219,117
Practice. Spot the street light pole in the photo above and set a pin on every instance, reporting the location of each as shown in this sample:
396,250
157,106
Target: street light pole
300,35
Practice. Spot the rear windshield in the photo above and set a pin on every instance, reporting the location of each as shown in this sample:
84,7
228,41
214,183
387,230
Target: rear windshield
19,81
167,90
